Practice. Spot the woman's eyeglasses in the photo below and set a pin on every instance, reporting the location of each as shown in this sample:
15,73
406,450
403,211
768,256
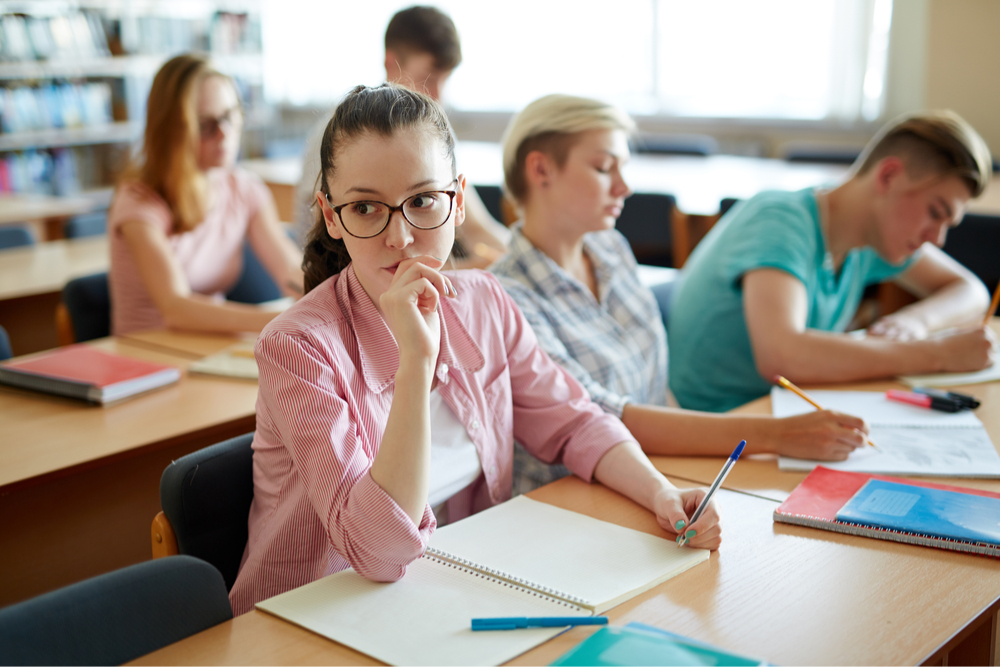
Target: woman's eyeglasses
425,210
208,127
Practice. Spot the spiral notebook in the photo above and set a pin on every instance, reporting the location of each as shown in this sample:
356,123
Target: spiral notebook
520,558
824,500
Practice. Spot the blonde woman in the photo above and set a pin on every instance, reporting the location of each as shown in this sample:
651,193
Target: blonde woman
575,279
182,212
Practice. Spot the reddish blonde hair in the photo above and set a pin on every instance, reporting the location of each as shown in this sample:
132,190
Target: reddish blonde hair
168,163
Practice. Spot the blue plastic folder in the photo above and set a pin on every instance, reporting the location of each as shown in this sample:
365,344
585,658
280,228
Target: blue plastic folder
925,511
639,644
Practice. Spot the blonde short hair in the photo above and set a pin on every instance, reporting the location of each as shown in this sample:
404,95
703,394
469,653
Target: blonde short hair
938,142
550,124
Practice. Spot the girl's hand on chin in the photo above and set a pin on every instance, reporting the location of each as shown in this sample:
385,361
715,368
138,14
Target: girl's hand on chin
410,306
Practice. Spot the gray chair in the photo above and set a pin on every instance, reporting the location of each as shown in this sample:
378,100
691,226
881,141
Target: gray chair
88,224
87,301
206,499
15,237
646,223
115,617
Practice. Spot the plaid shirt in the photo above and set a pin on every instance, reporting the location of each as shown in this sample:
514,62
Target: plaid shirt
615,346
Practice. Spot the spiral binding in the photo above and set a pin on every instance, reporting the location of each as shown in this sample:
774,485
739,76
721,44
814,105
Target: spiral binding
981,548
505,579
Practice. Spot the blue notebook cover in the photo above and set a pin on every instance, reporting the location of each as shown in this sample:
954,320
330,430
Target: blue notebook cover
639,644
925,511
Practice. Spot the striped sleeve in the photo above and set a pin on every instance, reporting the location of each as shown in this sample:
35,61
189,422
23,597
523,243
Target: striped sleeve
311,407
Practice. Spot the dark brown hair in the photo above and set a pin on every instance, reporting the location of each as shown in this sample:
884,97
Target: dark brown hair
380,110
425,30
937,142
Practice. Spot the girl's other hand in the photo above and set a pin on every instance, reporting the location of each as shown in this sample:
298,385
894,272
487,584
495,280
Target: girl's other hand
899,326
674,508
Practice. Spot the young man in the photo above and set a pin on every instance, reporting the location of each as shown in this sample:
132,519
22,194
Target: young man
422,49
771,288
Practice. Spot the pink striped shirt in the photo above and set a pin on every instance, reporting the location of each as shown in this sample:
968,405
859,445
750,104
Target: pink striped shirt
211,254
327,367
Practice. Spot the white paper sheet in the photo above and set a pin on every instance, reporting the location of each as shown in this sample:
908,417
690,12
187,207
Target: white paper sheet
991,374
930,452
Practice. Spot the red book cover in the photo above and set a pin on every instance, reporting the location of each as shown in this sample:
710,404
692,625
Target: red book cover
83,371
816,501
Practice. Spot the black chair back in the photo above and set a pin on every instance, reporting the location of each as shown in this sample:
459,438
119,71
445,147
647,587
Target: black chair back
206,496
975,244
15,237
115,617
89,304
491,195
645,221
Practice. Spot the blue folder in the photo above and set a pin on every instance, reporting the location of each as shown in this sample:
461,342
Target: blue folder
925,511
639,644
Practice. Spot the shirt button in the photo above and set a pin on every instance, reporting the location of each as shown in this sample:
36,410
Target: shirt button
442,372
493,470
475,424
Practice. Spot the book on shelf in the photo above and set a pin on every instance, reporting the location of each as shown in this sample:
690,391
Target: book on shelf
519,558
901,510
641,644
85,372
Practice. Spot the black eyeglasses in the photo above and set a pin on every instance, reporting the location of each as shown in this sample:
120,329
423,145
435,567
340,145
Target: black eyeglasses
425,210
208,127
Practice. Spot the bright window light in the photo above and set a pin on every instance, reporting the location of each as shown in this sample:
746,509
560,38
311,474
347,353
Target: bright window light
780,59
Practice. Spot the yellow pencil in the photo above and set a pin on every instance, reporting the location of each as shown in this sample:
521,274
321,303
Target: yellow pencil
993,305
805,397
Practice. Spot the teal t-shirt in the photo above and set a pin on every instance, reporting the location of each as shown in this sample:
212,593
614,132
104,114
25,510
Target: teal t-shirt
711,361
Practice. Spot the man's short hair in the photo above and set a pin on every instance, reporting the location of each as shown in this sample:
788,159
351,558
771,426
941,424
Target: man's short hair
425,30
934,142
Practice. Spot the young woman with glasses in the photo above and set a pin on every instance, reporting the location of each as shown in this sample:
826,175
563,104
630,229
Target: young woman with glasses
391,393
183,211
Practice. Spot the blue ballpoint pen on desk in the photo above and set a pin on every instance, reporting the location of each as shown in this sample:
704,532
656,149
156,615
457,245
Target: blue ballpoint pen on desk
517,622
730,462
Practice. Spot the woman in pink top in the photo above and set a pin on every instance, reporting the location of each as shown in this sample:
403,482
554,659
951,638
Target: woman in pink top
183,211
361,379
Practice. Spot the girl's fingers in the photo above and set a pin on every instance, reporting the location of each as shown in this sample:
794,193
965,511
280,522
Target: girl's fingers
414,268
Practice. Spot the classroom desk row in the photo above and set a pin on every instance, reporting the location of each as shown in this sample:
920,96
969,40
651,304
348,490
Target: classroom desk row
79,484
79,487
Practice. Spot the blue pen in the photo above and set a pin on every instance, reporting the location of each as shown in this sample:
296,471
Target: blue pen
730,462
516,622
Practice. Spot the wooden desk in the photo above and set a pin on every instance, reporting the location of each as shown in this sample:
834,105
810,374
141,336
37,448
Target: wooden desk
79,484
186,344
31,282
788,594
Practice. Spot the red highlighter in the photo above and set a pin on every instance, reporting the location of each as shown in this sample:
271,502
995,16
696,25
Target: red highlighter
923,400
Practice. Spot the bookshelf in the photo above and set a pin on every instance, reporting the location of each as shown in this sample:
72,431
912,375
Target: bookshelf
75,75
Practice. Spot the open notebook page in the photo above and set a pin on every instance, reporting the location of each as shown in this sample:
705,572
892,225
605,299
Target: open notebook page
422,619
597,561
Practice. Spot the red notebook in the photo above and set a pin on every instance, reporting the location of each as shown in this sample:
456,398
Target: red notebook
83,371
816,501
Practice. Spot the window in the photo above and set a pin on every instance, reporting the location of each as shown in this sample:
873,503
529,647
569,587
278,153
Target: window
781,59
